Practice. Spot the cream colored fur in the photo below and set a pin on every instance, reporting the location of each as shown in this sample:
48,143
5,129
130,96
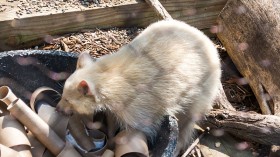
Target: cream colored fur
171,68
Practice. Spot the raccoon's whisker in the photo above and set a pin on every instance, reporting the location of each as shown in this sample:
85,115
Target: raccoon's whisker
60,85
57,95
55,99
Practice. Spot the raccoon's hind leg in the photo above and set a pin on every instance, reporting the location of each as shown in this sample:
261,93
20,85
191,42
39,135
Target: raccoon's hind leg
185,124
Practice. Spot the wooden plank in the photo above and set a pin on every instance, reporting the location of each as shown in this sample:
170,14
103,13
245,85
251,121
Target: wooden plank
24,32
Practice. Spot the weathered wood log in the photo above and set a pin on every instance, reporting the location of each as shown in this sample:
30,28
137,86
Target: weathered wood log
221,101
159,9
30,30
264,129
253,44
250,31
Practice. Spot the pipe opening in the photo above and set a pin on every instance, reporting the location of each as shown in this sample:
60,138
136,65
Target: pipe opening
4,90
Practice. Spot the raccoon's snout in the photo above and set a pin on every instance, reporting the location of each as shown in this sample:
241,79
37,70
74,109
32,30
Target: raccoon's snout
65,111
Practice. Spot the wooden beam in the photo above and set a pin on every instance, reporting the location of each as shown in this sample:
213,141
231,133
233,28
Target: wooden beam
27,31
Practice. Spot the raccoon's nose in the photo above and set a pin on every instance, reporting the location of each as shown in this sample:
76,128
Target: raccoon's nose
58,109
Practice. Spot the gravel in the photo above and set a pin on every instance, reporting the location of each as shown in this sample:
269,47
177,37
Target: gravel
27,7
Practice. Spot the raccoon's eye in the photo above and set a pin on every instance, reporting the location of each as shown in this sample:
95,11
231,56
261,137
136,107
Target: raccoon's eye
66,100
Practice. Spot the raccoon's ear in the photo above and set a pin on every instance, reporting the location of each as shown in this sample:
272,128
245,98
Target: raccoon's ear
84,60
84,88
87,89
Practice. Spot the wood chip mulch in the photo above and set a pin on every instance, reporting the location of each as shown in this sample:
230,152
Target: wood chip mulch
96,42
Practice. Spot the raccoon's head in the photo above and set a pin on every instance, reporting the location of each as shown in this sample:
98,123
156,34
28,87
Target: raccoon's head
80,93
